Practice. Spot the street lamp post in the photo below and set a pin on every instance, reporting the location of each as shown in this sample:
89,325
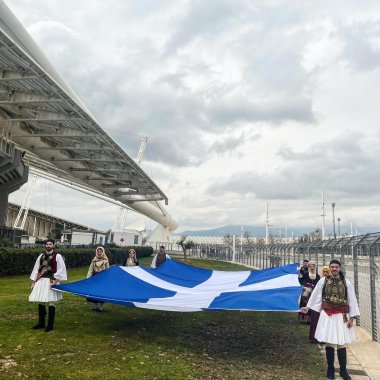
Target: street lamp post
333,207
339,227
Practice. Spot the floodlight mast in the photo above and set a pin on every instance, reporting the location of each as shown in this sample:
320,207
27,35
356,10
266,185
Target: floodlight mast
267,225
339,227
333,208
323,215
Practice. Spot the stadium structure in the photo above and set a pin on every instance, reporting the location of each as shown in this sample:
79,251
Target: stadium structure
46,130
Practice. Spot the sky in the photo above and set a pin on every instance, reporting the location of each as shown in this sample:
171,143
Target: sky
244,103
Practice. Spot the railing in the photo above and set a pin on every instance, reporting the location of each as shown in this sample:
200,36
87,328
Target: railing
359,256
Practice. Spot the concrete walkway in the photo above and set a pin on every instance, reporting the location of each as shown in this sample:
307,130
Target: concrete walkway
363,357
367,353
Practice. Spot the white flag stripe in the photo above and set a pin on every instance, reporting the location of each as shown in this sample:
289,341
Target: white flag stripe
193,301
145,276
219,282
286,281
222,281
166,308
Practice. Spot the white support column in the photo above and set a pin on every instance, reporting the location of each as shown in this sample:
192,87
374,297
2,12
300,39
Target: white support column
233,247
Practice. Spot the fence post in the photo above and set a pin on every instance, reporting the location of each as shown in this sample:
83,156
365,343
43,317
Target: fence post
356,279
233,247
372,279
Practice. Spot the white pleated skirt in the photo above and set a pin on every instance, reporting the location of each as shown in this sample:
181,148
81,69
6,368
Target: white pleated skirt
331,329
43,293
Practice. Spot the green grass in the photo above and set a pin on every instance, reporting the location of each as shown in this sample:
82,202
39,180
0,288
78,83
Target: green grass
132,343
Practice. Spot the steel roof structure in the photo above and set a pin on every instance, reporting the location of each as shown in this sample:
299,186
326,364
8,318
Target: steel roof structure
50,218
63,142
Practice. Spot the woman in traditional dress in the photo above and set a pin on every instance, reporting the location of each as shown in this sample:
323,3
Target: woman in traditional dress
98,265
131,261
314,314
310,278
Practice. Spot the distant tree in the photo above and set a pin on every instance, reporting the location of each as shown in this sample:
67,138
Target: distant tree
247,236
144,240
185,245
271,238
55,233
260,241
227,239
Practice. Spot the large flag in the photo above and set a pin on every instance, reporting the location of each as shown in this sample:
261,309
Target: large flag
179,287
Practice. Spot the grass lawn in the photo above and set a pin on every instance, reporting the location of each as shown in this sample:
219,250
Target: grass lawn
132,343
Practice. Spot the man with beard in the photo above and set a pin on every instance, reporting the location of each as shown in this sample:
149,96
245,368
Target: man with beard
334,297
303,270
48,270
160,258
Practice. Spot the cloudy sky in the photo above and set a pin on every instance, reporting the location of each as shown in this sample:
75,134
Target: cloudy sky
244,102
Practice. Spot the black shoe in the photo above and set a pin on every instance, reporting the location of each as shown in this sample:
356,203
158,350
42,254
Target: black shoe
51,319
330,355
94,309
342,357
41,317
99,310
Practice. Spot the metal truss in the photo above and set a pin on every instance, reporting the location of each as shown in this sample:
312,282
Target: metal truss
61,139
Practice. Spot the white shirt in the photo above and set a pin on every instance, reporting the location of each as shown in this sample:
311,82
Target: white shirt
60,275
315,301
153,265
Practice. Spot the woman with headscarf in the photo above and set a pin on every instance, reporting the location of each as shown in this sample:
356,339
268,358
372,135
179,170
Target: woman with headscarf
314,314
98,265
131,261
310,279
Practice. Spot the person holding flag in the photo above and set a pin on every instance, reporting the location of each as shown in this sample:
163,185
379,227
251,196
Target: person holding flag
334,298
48,270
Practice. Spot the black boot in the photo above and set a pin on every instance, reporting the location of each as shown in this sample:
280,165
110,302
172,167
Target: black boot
41,317
342,357
51,319
330,356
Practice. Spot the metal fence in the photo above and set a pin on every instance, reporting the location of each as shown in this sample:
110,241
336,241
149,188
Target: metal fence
359,256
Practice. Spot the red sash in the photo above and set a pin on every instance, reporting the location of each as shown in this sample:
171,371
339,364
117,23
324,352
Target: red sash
330,308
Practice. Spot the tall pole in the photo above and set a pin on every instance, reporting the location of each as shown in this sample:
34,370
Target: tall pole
333,207
233,247
323,215
286,234
339,227
352,232
267,225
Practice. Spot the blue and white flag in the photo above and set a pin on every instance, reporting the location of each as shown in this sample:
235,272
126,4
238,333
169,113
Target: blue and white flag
179,287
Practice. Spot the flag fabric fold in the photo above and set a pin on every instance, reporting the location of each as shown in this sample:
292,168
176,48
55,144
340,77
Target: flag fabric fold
179,287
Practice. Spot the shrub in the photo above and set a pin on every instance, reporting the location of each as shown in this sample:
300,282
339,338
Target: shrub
5,242
18,261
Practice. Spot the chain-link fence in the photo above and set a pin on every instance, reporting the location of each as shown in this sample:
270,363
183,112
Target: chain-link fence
359,256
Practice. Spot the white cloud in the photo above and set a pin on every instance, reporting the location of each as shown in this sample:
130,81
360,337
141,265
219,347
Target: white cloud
253,100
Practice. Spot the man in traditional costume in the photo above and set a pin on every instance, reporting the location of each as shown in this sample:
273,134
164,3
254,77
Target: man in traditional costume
160,258
334,297
303,270
49,270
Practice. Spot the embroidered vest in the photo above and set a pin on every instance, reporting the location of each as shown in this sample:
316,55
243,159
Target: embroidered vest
48,265
334,296
161,257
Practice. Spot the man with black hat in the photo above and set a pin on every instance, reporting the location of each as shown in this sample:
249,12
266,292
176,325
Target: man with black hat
334,298
49,270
